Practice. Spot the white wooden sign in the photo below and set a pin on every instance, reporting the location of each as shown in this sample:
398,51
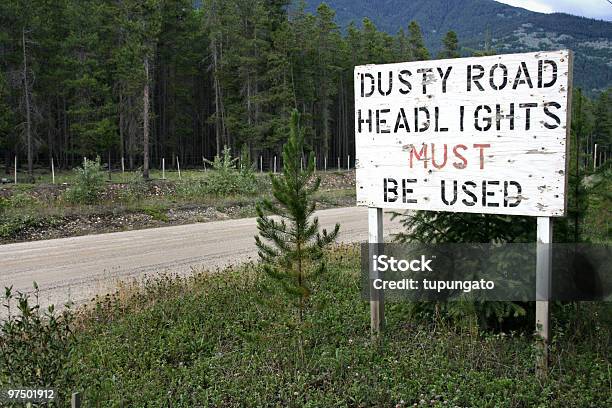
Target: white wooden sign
481,135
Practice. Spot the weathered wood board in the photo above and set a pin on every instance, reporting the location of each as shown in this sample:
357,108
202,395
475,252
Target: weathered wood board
481,135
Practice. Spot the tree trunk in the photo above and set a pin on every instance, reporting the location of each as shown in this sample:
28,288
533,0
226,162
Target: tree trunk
26,95
121,126
217,101
7,162
145,121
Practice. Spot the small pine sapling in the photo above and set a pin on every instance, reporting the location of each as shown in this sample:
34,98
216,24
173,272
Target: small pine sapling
290,244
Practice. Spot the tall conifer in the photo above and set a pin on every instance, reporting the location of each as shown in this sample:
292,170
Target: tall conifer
418,51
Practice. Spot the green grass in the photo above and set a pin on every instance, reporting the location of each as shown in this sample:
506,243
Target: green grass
210,340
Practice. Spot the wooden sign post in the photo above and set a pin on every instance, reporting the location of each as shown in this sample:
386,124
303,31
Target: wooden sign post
477,135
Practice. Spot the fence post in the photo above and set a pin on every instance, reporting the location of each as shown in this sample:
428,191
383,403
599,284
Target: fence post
15,170
52,170
348,162
261,164
595,157
178,166
163,168
338,166
315,164
325,160
75,401
274,164
122,166
204,162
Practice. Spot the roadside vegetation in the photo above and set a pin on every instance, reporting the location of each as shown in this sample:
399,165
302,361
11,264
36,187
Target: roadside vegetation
598,215
85,201
206,340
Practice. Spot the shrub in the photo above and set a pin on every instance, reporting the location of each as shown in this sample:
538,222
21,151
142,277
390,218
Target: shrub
158,213
225,179
246,166
135,190
11,226
35,345
89,183
442,227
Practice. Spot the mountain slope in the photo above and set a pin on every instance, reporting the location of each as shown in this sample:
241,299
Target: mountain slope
511,29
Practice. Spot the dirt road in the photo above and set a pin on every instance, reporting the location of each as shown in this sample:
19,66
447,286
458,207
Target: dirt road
78,268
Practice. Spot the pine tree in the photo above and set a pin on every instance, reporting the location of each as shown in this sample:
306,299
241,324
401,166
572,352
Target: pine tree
603,122
328,42
418,51
401,48
450,46
27,22
92,110
291,248
375,50
139,25
6,120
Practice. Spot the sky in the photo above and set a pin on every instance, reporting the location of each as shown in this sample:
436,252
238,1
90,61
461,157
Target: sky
600,9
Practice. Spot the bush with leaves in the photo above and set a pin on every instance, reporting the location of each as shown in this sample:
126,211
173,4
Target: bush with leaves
21,200
89,183
291,246
35,344
136,189
432,227
225,179
247,168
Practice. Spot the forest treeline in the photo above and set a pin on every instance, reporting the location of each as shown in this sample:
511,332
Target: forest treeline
146,79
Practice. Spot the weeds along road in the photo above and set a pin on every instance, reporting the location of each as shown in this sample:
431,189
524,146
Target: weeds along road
78,268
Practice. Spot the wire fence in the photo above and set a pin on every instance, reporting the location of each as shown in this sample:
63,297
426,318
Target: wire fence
16,172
